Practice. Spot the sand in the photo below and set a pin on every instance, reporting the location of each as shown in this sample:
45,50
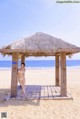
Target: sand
43,109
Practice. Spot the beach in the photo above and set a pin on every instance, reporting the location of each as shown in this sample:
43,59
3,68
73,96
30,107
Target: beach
41,109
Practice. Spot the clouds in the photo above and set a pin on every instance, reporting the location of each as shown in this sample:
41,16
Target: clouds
21,17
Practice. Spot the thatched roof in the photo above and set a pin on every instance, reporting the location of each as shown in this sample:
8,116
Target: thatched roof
40,44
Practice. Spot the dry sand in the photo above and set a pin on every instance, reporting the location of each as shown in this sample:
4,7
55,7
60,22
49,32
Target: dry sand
43,109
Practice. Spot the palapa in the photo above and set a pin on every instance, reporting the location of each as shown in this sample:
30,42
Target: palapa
40,44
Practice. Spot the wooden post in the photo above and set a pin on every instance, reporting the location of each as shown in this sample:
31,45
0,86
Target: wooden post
14,75
22,59
63,82
57,70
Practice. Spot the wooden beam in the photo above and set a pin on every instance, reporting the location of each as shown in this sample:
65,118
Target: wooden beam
14,75
63,82
57,70
22,59
77,49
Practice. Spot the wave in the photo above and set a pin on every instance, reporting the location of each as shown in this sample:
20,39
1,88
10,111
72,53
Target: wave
36,68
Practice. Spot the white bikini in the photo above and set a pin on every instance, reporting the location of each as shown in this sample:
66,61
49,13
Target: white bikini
21,72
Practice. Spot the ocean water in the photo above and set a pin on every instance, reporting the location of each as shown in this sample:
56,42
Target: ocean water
40,63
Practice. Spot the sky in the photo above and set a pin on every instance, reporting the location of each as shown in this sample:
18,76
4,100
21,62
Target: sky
21,18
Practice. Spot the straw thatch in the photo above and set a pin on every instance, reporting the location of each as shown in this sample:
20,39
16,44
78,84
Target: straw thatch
40,44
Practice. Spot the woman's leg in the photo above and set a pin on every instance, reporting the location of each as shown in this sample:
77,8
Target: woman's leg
23,86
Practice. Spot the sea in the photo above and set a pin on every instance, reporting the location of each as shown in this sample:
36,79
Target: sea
40,64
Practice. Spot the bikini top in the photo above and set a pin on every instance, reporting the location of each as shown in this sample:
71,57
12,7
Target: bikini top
21,71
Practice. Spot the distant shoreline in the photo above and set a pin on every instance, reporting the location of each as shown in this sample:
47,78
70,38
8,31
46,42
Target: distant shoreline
40,68
39,63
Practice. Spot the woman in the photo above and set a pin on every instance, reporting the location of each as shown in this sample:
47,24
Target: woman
21,77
